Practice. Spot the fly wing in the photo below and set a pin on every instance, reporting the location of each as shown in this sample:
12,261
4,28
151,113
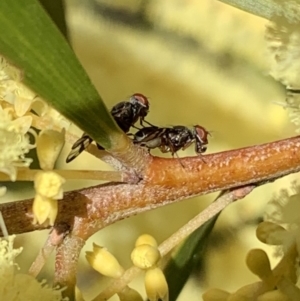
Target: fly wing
79,146
146,134
123,115
150,137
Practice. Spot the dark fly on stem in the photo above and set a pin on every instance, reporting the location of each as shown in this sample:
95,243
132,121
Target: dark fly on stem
125,113
172,139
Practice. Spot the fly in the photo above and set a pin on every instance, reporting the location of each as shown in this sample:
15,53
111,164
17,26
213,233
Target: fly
172,139
125,113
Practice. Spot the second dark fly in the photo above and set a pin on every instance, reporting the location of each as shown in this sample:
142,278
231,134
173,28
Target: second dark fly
172,139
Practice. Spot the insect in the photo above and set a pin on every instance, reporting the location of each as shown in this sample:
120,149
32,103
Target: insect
172,139
125,113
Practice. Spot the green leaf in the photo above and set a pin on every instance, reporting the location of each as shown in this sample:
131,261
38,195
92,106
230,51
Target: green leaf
56,10
181,264
30,40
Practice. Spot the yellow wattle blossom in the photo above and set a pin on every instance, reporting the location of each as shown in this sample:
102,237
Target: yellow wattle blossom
9,72
281,229
21,112
146,239
283,214
51,118
13,91
17,286
14,143
156,285
104,262
48,186
145,256
284,53
43,209
48,146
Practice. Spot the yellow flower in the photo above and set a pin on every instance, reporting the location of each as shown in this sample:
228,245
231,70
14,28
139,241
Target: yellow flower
49,145
12,90
22,101
52,118
21,110
283,42
14,143
48,186
17,286
282,221
145,256
8,72
146,239
156,285
104,262
43,209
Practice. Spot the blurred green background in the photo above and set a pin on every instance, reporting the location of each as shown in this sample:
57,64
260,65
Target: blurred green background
198,62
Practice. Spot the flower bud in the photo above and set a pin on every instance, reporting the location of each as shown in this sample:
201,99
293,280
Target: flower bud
23,99
104,262
43,209
146,239
258,263
49,145
156,285
49,185
145,256
270,233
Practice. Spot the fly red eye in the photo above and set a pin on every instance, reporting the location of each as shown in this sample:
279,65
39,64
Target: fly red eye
202,133
141,99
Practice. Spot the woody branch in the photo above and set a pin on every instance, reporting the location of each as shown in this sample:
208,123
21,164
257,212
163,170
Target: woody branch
164,181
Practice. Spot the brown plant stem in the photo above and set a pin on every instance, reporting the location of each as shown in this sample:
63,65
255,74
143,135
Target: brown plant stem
66,264
55,238
165,181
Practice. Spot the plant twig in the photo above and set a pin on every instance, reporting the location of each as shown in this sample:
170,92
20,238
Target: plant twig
165,182
65,276
213,209
55,238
